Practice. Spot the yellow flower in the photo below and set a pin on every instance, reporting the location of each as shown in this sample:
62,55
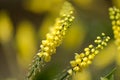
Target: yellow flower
115,18
55,37
84,59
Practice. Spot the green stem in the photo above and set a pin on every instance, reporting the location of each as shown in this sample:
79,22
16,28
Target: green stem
35,68
111,72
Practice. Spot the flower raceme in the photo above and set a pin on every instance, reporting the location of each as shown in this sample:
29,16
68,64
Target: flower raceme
54,38
84,59
115,18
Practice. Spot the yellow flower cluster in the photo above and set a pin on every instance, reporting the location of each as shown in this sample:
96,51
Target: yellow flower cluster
54,38
115,17
84,59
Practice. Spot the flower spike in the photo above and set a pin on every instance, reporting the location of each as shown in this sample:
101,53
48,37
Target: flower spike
85,58
53,40
115,18
55,37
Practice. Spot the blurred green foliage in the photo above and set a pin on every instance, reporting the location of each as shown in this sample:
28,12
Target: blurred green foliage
24,23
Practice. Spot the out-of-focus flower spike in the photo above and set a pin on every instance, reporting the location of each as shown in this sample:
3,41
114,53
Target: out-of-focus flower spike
115,18
84,59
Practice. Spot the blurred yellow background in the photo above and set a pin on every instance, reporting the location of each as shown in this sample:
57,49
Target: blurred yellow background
24,23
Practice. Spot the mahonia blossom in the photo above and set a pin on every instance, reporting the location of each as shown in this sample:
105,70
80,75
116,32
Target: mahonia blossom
115,18
53,40
55,37
84,59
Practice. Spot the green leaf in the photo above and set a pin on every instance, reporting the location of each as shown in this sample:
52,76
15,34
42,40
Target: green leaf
109,76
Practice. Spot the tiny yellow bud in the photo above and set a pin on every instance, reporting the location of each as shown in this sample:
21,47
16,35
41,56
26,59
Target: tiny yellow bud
63,33
40,54
49,36
51,44
45,54
113,22
65,23
56,28
44,42
118,22
108,37
71,12
110,9
76,68
83,64
73,63
58,32
78,61
91,57
93,50
85,59
77,56
68,15
65,28
99,46
116,32
70,19
103,34
117,10
41,46
114,27
87,52
96,41
104,43
91,46
70,71
96,51
62,21
86,49
73,17
89,62
56,38
99,41
64,15
112,17
117,17
60,27
82,55
66,19
46,49
98,37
